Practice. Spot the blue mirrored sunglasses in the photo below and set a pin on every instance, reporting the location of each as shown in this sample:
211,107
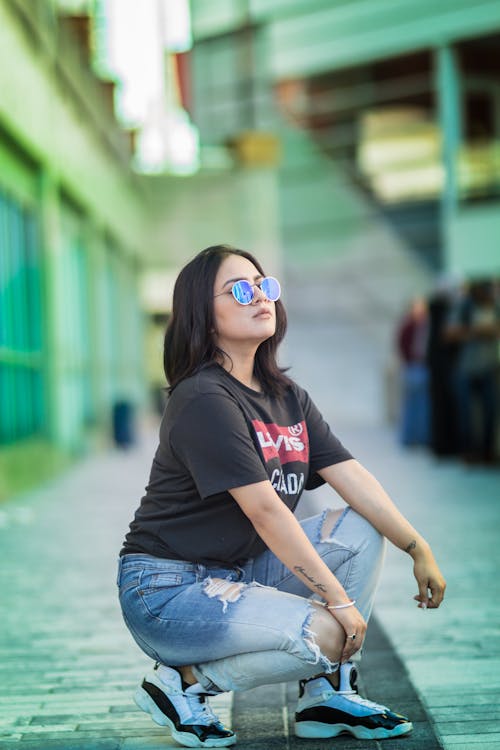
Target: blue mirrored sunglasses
244,292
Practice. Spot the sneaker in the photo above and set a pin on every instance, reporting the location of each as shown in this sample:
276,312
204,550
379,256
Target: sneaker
323,711
182,708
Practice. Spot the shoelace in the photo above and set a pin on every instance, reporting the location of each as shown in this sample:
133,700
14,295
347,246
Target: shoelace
354,696
200,709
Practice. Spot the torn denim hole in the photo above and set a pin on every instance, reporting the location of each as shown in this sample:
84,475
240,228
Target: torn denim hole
309,639
224,590
320,536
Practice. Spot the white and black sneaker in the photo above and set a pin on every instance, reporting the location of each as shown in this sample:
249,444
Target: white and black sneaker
323,711
182,708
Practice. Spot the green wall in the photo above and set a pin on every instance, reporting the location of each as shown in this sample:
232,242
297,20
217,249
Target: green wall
73,225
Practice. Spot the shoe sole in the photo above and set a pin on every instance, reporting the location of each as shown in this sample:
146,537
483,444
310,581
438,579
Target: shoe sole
144,701
315,730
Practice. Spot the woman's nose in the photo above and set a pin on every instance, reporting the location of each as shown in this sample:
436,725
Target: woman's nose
258,294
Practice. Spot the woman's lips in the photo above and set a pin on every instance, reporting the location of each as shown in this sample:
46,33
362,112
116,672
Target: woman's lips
263,314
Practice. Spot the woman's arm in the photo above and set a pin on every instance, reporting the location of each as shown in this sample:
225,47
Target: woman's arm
280,530
364,493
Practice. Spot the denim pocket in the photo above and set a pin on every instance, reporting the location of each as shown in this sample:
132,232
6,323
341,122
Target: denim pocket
160,580
157,589
128,578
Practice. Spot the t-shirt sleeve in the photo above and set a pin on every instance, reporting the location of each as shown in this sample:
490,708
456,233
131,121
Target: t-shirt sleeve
212,440
325,448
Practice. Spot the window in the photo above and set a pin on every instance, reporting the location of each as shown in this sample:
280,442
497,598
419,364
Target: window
22,397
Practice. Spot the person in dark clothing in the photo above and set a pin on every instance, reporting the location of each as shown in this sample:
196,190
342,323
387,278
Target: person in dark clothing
475,323
219,583
442,356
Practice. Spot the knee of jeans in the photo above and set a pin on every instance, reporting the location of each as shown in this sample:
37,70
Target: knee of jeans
329,522
324,638
359,535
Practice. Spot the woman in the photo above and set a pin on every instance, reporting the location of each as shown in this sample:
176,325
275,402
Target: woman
216,574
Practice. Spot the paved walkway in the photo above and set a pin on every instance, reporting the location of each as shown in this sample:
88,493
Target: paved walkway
452,654
68,665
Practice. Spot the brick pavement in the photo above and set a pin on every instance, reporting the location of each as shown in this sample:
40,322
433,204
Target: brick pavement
383,676
452,654
67,663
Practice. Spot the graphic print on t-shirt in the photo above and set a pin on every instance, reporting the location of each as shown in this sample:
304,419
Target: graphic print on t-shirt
288,444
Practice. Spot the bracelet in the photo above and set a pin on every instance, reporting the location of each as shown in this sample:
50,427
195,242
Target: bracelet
341,606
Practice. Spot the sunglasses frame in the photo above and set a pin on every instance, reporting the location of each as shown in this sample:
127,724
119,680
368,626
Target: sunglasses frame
252,289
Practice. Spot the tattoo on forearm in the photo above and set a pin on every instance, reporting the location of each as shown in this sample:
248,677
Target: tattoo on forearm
411,546
317,585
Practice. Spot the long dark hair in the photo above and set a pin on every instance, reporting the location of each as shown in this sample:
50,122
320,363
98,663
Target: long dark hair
189,338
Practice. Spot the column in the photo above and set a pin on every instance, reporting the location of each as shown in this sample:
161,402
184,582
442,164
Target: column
449,105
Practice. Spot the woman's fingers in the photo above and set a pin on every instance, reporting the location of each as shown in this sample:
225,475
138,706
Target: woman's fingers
430,594
437,589
354,625
431,584
350,649
423,594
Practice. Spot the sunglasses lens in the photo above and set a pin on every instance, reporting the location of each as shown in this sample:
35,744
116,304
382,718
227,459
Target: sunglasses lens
242,292
271,288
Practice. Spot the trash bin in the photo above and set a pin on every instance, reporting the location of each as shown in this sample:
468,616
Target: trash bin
123,424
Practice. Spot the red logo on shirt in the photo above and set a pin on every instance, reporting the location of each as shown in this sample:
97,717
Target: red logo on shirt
286,443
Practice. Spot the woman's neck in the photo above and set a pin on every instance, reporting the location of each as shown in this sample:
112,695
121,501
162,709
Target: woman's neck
241,367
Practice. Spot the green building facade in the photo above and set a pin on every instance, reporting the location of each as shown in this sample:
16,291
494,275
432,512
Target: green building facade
80,229
72,227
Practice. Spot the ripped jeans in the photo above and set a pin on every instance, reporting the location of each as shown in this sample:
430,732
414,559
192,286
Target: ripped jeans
243,627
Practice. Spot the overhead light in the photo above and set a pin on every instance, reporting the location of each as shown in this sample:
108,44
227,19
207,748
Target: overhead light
177,25
169,144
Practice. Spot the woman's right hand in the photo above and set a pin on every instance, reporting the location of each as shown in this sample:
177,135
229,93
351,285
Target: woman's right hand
354,624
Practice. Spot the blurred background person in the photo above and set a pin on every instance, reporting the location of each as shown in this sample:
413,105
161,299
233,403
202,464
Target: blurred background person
441,362
475,322
412,337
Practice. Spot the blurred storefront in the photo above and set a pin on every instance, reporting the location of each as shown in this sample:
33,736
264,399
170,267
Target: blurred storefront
388,117
100,191
70,320
353,146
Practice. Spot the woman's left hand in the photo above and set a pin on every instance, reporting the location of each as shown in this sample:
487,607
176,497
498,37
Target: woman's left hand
431,584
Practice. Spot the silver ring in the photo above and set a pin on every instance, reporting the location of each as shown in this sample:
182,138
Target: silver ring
352,637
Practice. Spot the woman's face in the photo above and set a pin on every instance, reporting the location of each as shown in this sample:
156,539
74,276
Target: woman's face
235,324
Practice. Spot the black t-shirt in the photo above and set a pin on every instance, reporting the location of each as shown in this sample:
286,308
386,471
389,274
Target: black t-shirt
217,434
